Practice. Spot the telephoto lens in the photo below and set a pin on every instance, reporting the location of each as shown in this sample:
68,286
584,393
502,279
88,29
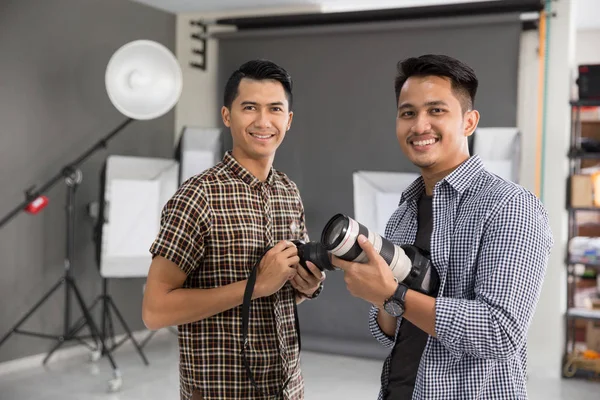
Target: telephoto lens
340,238
409,264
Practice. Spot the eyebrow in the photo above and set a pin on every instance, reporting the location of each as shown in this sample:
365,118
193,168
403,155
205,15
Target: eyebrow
427,104
253,103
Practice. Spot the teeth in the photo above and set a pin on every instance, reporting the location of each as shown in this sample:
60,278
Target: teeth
424,142
261,136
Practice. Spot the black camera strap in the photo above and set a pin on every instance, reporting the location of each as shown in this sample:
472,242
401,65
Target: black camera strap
245,320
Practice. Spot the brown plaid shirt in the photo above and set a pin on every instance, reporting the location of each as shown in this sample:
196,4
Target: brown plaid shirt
215,228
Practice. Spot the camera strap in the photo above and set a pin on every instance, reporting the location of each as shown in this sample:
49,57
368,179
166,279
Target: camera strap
245,321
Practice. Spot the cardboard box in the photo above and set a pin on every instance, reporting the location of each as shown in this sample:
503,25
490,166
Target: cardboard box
582,193
592,334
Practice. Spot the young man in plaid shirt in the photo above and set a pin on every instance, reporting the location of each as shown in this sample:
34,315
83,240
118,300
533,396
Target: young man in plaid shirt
213,232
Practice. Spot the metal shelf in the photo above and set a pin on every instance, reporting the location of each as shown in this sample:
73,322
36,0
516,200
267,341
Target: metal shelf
587,264
578,153
585,103
583,313
583,208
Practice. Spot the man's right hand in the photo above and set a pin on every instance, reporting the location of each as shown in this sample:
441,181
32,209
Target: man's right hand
276,268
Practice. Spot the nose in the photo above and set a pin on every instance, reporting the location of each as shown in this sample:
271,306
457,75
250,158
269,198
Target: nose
262,120
421,124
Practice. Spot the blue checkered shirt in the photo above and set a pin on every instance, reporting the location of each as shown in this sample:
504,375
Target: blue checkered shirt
490,245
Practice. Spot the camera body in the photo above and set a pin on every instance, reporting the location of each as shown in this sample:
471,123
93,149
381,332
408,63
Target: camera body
423,276
314,252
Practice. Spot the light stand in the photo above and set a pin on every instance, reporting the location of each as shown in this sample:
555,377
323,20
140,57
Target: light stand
143,81
72,177
107,328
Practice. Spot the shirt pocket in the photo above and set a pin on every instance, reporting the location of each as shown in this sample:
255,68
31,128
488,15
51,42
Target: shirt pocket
287,220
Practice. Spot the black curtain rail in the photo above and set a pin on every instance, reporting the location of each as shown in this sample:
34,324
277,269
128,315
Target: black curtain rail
396,14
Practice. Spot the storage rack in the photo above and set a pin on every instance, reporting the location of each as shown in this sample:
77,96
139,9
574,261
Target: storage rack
574,365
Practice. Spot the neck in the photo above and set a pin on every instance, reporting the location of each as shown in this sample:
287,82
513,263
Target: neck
260,168
432,177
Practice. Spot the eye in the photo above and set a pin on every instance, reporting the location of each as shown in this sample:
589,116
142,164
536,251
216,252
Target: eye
407,114
277,109
437,110
249,108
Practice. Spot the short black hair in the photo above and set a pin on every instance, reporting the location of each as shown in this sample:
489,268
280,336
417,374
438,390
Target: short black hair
463,78
257,70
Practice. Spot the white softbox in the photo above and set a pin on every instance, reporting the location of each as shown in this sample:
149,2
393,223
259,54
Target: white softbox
135,191
376,196
199,149
499,149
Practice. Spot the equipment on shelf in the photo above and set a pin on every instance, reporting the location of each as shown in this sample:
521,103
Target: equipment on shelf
588,82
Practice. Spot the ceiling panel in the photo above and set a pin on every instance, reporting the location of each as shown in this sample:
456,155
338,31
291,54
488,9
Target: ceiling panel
587,11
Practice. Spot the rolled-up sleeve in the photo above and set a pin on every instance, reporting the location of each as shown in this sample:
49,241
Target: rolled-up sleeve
512,264
184,225
385,340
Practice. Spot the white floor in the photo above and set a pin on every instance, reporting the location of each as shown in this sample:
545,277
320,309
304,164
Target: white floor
327,377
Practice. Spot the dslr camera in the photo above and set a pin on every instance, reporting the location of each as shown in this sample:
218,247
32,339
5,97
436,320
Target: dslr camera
339,237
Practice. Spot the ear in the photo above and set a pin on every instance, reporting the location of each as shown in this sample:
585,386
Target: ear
471,122
289,124
226,115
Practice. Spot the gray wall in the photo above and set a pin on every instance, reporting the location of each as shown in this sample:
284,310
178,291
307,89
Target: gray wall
345,121
53,106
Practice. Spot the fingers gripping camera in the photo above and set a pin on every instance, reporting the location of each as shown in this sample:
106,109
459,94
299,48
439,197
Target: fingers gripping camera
409,264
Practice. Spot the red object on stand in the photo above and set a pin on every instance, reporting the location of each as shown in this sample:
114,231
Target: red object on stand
37,205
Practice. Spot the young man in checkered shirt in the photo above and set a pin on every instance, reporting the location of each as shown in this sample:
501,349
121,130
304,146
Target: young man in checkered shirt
489,241
214,230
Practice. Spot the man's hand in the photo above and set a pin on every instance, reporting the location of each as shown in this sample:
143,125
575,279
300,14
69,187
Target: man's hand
276,268
372,281
307,282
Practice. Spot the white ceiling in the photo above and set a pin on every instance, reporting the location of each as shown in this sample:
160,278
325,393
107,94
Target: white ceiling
184,6
586,11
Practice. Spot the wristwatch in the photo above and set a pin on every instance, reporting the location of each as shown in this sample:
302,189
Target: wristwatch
314,295
395,304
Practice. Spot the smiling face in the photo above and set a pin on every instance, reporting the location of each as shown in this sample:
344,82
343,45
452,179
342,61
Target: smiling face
258,119
431,127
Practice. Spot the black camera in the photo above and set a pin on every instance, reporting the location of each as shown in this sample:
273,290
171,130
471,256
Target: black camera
314,252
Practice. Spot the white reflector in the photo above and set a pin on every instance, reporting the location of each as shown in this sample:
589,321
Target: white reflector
136,189
499,149
143,79
376,196
199,149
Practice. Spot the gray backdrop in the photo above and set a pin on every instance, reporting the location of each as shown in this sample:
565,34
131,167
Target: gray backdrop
344,121
53,106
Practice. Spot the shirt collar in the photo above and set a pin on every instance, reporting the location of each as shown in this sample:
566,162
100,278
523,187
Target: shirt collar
242,173
460,179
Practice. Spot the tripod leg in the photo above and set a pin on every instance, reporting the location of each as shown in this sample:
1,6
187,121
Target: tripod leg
91,323
114,384
122,320
33,309
70,335
147,338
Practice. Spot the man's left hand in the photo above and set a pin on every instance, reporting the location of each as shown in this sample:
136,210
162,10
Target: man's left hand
372,281
307,282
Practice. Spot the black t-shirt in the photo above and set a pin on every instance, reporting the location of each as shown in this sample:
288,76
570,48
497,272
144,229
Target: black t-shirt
411,341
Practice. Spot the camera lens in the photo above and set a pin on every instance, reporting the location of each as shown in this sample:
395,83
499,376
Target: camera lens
340,238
